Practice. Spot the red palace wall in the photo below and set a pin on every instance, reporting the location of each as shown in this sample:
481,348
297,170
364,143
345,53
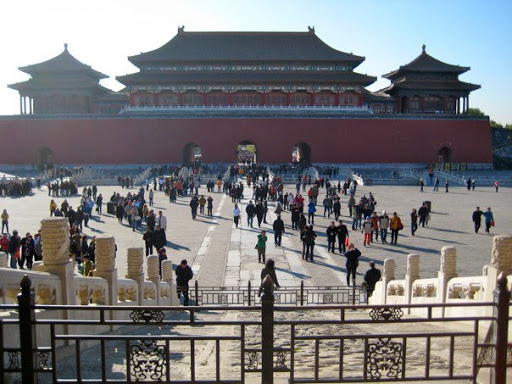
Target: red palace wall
150,141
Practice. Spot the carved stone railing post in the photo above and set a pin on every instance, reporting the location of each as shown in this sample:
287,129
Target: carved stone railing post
135,270
413,273
106,265
501,257
387,275
55,240
153,264
167,275
4,259
447,271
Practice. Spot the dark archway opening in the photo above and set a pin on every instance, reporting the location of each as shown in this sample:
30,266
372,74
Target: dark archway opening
301,154
246,153
44,158
191,155
444,155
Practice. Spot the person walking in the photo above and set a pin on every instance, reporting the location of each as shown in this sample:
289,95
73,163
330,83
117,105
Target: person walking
202,203
250,210
269,270
489,219
367,232
311,211
148,241
14,249
446,185
371,277
477,218
342,232
183,275
352,263
236,215
194,203
423,215
436,185
309,239
5,221
151,197
209,205
496,185
278,227
414,221
422,184
396,225
331,233
261,246
383,226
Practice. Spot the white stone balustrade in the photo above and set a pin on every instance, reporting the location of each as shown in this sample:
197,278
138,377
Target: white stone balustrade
4,260
501,254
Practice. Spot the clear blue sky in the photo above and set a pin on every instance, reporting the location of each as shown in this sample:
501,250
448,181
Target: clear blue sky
388,33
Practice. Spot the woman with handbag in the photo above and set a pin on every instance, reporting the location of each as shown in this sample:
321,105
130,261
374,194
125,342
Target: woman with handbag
489,219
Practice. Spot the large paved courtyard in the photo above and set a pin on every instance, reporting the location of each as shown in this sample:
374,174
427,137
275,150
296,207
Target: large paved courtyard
222,255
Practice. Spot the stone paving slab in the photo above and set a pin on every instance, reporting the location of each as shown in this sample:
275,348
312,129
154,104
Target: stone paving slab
221,254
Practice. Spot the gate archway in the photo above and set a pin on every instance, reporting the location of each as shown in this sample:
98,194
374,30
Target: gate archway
191,155
301,154
444,155
246,152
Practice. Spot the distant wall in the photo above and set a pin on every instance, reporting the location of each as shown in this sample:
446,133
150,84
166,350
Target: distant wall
138,140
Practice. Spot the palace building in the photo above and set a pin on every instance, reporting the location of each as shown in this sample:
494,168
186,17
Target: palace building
213,94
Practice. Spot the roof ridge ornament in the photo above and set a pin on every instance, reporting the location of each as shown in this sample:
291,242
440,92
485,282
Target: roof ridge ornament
66,47
181,29
424,47
311,29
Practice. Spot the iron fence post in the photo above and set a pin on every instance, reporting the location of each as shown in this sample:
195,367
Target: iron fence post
267,332
249,292
196,290
353,292
500,334
302,293
28,346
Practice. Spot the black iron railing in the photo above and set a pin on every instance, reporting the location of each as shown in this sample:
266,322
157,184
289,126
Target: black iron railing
230,344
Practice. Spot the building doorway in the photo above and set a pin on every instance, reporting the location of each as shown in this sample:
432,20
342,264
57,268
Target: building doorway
44,158
246,153
191,155
444,155
301,154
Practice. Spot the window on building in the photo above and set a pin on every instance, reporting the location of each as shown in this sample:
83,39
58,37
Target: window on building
432,103
168,99
300,98
349,98
450,104
246,98
276,98
325,98
416,103
143,99
217,98
192,98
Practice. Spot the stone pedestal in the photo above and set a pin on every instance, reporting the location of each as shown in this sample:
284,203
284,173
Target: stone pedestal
447,271
55,241
135,270
153,273
501,256
168,276
413,273
106,266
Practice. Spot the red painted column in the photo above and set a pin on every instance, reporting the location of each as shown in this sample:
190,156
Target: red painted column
230,98
180,98
155,98
205,98
132,99
313,98
337,99
288,98
361,99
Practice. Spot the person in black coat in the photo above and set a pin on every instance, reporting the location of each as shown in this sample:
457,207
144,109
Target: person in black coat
278,227
194,203
342,236
477,218
27,251
250,210
371,278
331,232
159,239
352,263
260,211
183,275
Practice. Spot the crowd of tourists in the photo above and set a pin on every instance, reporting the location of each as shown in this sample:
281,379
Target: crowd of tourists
15,187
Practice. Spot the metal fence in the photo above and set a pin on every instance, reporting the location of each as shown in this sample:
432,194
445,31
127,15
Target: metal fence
235,344
297,296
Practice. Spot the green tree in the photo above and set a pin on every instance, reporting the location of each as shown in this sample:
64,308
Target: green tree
475,112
